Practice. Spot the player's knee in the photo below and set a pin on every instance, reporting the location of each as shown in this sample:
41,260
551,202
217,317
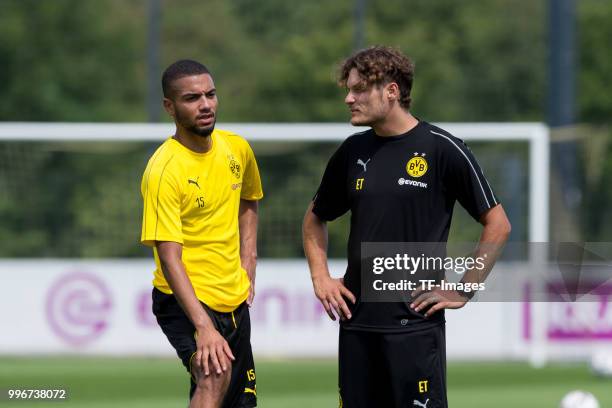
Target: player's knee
212,383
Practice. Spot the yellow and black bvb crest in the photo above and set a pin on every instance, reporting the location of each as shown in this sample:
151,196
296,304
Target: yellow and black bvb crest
234,166
417,165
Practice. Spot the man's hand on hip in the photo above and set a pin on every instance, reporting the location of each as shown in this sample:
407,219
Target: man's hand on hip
331,292
436,299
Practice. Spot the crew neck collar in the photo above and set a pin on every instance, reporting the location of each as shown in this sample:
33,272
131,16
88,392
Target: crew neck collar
400,136
194,153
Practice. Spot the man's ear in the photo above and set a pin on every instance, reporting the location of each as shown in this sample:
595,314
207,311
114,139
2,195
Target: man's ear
392,92
169,107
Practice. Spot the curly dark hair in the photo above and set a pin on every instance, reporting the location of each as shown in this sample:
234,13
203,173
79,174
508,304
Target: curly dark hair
380,65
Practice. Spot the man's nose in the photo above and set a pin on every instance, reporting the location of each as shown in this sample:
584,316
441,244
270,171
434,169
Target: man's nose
349,99
204,104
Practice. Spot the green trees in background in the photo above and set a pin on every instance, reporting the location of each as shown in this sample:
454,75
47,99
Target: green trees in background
69,60
273,60
595,108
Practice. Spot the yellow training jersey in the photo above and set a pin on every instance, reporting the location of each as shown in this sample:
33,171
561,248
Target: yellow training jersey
193,199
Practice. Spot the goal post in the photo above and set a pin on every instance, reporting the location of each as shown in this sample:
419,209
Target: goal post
535,134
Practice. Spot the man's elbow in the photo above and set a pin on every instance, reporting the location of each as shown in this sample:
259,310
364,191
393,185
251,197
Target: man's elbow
506,228
502,226
497,221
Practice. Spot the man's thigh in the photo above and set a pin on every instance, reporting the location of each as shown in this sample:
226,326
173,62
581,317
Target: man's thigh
393,370
235,327
363,378
416,363
242,392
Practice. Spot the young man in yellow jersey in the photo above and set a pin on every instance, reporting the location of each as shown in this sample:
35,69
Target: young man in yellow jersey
200,191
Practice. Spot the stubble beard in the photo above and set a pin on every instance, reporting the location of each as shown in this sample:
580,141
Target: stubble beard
195,129
374,116
362,121
203,131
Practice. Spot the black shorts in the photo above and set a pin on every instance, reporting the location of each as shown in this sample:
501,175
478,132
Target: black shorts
235,327
392,370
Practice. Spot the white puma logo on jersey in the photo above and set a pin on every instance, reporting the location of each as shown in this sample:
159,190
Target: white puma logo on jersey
420,404
361,163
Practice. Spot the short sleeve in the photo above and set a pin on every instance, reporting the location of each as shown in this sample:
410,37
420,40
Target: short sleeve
331,200
466,180
251,181
161,218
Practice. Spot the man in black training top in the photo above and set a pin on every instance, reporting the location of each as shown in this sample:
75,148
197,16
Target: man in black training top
400,180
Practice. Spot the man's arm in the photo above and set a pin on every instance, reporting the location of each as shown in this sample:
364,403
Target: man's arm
492,240
329,291
209,343
247,223
495,232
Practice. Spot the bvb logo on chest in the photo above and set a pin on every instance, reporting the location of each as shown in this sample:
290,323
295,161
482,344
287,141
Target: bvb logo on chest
234,166
417,165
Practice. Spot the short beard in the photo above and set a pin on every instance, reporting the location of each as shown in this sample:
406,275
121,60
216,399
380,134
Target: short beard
203,131
362,122
192,127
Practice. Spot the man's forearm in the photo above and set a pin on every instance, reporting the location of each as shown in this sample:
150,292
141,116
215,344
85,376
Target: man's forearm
247,223
492,240
314,235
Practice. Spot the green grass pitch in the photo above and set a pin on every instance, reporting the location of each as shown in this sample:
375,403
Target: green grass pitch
153,383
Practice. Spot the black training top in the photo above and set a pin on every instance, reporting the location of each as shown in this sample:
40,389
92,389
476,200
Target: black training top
399,189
